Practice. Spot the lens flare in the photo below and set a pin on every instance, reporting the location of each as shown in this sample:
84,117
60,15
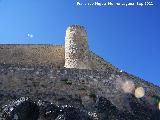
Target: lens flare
128,86
30,35
139,92
159,106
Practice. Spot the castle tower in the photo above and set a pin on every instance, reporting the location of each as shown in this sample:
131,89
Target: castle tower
76,48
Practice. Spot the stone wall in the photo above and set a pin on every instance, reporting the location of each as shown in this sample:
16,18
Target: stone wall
76,48
47,83
53,55
77,54
32,54
98,63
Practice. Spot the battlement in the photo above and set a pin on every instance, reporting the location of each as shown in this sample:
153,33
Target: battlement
76,31
76,27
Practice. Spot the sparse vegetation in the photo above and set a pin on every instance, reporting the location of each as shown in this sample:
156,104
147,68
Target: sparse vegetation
93,96
68,82
64,80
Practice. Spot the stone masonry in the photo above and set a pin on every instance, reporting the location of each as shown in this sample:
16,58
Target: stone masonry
76,48
75,53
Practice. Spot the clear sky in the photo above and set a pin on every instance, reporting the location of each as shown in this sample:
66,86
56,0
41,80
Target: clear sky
128,37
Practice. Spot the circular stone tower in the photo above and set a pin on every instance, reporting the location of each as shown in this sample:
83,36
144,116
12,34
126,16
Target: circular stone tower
76,48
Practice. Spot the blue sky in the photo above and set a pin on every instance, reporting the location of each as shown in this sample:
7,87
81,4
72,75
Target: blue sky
128,37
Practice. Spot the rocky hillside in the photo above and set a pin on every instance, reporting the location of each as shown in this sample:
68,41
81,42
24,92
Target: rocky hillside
40,92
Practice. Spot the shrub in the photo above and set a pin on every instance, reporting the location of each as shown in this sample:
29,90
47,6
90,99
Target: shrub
68,82
93,96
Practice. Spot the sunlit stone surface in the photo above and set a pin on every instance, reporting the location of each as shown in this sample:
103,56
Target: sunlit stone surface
139,92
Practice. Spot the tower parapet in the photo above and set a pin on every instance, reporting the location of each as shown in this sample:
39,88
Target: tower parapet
76,48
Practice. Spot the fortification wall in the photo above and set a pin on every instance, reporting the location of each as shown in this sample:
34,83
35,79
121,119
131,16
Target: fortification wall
53,55
98,63
32,54
77,54
46,83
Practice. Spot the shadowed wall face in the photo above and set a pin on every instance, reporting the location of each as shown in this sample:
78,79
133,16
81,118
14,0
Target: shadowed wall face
52,55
